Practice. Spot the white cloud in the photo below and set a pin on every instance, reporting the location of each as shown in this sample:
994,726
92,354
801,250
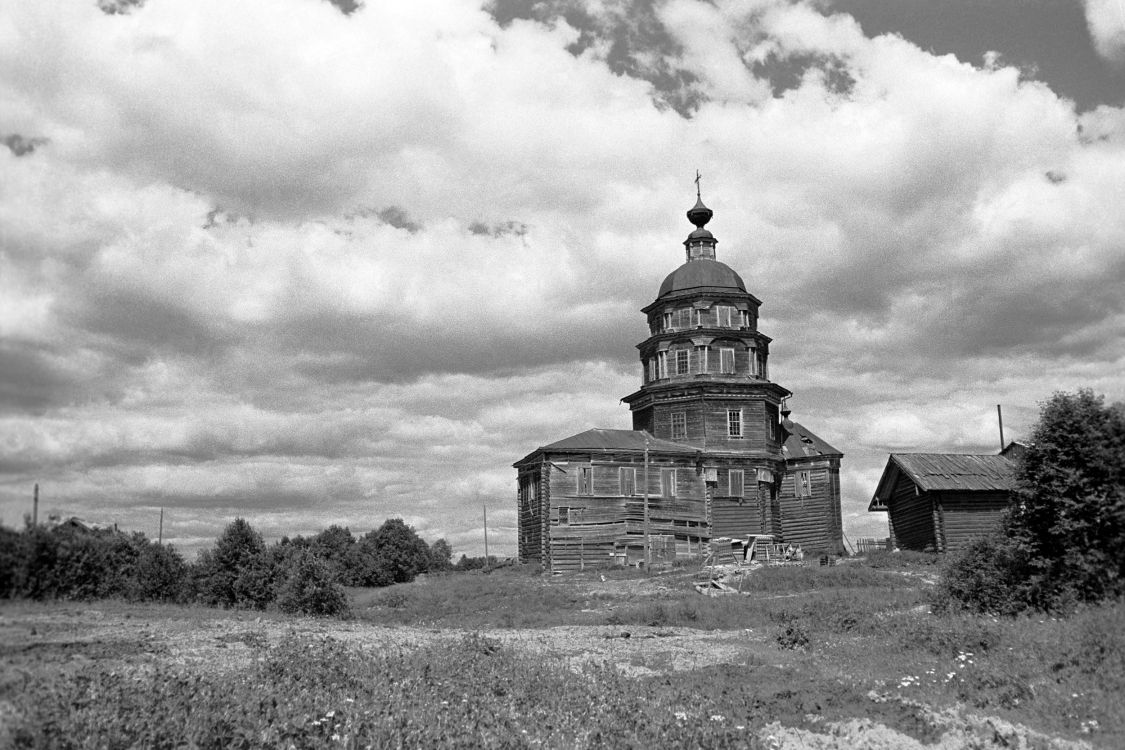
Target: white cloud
930,239
1106,20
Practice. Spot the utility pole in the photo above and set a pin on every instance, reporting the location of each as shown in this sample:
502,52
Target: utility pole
160,534
648,538
487,562
1000,417
35,506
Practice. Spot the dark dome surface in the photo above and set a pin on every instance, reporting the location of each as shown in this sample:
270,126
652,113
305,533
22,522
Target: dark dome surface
701,273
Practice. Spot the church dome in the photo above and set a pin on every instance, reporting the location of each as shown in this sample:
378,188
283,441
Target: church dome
699,274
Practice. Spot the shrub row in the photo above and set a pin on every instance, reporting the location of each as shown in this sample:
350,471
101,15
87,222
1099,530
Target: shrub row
301,575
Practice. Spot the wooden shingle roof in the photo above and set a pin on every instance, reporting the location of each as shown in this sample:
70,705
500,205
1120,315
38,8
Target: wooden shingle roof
945,472
598,440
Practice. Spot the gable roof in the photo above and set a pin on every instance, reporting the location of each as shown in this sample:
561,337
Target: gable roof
802,442
943,472
598,440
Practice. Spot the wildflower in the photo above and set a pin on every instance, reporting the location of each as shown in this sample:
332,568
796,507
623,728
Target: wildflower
718,717
330,714
335,738
681,716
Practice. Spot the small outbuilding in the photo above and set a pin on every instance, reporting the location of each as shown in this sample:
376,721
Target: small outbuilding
939,502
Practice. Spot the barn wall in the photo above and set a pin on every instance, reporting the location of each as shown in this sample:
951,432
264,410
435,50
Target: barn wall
967,516
912,516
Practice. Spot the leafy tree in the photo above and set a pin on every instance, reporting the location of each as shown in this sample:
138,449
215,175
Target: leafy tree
161,574
332,545
310,589
441,556
219,568
392,553
1068,514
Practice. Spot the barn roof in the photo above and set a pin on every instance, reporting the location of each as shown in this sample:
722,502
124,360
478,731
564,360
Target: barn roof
598,440
944,472
803,442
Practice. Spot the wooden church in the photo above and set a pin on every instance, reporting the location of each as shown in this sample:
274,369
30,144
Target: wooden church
712,452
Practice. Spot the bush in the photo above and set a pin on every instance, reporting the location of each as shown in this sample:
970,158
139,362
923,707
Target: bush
311,589
988,576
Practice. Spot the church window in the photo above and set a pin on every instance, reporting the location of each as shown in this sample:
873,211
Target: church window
699,318
737,483
586,480
723,314
804,484
734,423
679,425
651,370
726,361
753,363
662,364
628,479
684,318
701,359
564,515
668,482
744,318
682,365
667,321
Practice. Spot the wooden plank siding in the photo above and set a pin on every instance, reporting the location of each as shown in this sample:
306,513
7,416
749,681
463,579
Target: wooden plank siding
967,516
596,528
911,514
813,521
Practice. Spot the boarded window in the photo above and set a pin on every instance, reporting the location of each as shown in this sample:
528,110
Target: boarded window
679,425
586,480
662,364
722,316
682,365
701,359
667,321
668,482
564,515
700,317
737,483
628,479
804,484
726,361
734,423
744,318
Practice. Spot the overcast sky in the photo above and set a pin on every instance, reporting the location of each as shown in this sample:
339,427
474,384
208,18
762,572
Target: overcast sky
310,264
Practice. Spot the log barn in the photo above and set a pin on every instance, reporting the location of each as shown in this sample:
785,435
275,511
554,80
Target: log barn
712,452
940,502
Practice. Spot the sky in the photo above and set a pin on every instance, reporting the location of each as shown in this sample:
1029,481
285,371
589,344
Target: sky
313,263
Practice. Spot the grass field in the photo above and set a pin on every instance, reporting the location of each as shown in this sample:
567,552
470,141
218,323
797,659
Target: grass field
846,656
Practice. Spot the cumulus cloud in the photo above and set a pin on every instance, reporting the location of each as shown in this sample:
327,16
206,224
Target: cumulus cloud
307,267
1106,20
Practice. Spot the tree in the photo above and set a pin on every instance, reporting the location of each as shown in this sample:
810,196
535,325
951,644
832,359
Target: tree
441,556
332,545
1068,511
236,550
310,589
392,553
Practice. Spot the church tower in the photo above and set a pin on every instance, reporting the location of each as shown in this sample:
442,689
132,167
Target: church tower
705,384
712,453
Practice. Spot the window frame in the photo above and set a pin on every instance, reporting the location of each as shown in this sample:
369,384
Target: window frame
679,419
803,483
585,481
741,474
668,483
627,471
723,353
683,362
734,423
